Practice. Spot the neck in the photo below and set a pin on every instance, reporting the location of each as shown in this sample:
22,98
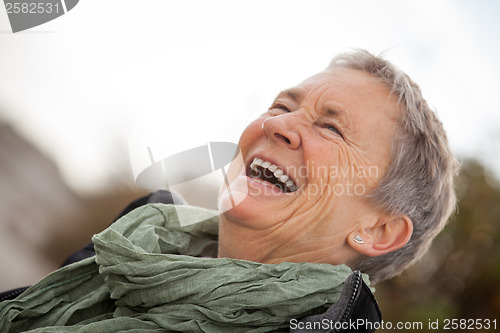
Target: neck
276,244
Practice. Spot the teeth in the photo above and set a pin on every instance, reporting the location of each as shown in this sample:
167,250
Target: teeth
278,173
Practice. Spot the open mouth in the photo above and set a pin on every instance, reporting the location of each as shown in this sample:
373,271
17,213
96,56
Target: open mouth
270,173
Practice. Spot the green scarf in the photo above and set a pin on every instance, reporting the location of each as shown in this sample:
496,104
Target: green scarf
151,274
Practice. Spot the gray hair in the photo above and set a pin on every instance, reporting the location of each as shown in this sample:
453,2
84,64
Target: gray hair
419,179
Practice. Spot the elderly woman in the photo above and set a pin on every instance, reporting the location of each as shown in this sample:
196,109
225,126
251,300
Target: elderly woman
349,170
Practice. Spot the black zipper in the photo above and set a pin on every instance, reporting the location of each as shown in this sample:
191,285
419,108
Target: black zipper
354,291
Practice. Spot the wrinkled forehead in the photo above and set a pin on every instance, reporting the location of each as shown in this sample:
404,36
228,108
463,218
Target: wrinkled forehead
345,79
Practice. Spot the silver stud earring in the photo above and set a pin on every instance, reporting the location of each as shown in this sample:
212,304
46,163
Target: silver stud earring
358,239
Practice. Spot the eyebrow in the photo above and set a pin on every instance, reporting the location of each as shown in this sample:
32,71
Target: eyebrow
295,93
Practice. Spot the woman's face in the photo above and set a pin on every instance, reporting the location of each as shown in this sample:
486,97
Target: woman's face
331,138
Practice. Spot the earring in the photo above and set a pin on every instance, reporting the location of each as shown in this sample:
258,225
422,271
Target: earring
358,239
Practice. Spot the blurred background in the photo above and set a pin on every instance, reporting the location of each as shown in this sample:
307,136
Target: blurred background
74,90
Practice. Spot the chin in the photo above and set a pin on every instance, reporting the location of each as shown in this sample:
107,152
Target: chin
248,212
240,212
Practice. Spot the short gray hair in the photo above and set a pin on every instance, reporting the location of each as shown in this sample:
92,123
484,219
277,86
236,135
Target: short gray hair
419,180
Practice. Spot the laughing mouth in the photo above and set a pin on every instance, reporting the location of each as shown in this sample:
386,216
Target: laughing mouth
270,173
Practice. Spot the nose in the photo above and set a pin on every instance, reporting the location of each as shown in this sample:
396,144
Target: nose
280,129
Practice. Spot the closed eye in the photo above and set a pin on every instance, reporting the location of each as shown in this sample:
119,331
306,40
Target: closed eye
281,107
334,129
277,109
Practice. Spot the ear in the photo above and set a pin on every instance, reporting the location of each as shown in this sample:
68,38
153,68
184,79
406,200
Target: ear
388,234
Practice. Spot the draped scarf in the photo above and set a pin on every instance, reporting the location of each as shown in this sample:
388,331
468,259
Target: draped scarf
152,274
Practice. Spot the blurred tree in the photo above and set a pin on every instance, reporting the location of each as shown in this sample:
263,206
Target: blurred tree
459,276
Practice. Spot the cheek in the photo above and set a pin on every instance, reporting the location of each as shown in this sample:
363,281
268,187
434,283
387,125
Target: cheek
339,171
251,133
330,164
355,171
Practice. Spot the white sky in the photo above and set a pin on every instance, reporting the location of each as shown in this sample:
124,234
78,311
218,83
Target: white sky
201,70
